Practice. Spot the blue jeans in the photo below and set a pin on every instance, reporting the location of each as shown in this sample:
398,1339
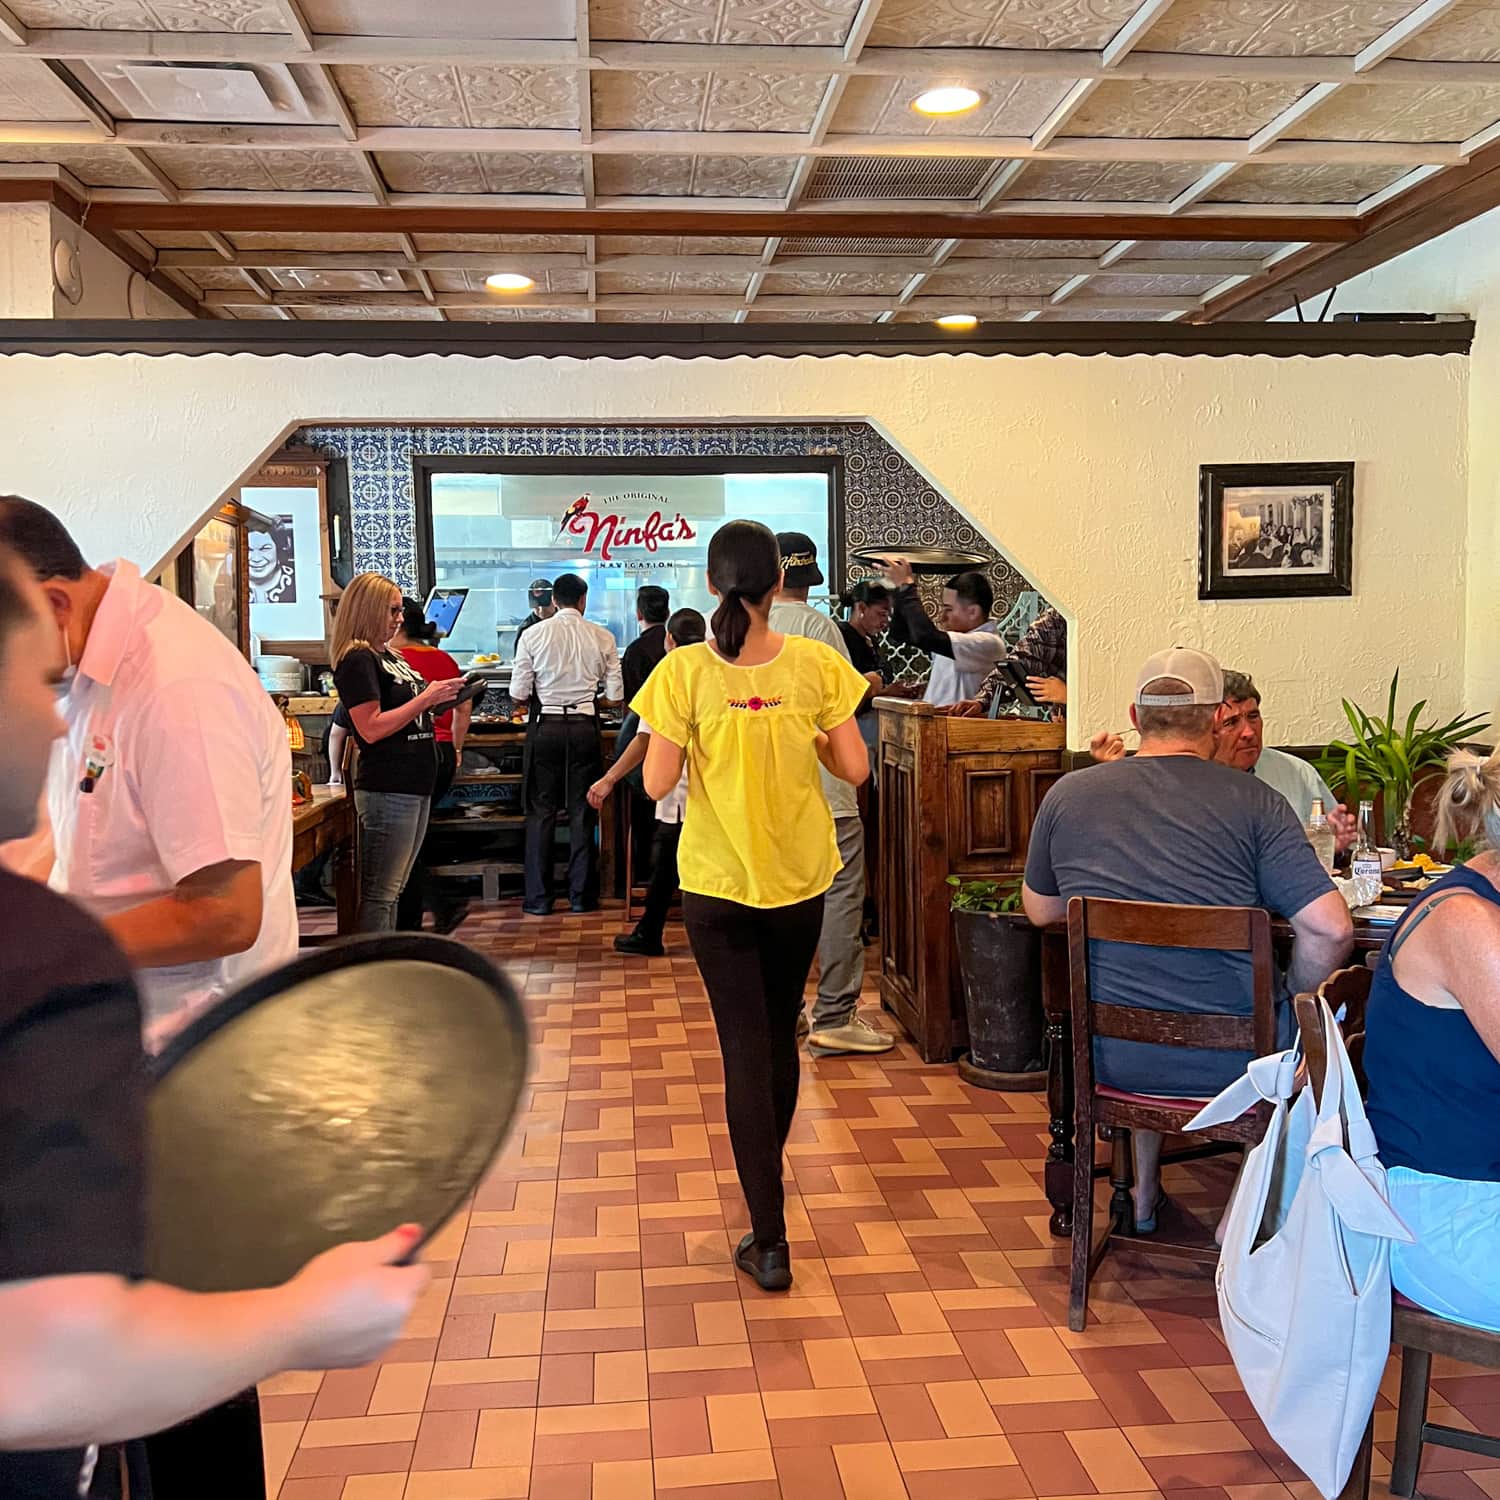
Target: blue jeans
391,828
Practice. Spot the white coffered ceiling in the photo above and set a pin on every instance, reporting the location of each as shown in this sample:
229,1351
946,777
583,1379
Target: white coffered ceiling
1181,110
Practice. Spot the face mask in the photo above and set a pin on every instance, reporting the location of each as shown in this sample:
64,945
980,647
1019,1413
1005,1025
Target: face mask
64,685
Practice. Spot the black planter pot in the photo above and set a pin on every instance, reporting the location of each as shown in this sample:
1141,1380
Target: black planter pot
1001,963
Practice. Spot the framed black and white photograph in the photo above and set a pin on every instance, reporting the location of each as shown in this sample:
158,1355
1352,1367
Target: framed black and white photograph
1275,531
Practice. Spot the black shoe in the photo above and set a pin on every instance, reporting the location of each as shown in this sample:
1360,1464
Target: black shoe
445,922
534,909
769,1266
634,943
582,908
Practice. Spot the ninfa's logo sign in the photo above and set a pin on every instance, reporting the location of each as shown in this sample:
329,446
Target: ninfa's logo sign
614,516
635,520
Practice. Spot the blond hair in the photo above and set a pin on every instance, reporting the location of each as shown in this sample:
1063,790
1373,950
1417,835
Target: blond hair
1469,803
363,621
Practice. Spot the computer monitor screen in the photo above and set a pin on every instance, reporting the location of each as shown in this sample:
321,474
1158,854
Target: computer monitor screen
442,609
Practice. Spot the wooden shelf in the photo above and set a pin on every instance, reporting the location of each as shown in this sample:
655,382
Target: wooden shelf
501,778
505,820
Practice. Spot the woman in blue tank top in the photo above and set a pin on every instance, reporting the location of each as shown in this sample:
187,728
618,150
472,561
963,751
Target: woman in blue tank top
1432,1054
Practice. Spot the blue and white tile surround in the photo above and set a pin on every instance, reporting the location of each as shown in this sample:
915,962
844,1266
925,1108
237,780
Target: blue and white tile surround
886,501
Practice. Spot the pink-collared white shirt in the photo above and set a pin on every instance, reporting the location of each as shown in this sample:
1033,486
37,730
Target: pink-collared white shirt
175,759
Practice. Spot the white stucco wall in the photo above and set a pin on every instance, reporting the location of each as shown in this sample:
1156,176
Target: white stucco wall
29,233
25,260
1083,471
1460,272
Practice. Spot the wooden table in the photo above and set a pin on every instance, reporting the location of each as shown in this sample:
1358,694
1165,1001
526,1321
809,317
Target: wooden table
327,824
1369,937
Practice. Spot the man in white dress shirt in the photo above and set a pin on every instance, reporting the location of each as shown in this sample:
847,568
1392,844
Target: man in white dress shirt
169,797
563,665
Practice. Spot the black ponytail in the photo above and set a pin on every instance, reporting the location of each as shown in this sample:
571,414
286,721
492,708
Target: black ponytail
743,563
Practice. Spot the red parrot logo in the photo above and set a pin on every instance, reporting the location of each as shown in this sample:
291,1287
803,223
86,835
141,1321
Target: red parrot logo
576,508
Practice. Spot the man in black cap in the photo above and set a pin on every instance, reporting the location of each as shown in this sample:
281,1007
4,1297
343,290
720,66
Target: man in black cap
539,597
836,1024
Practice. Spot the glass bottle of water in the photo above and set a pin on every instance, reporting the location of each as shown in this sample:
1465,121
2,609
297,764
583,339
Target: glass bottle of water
1364,861
1320,834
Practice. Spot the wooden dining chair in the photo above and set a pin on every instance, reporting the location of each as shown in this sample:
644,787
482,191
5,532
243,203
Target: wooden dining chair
1348,991
1113,1113
1418,1333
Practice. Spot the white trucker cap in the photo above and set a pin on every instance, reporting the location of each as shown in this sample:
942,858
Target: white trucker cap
1200,676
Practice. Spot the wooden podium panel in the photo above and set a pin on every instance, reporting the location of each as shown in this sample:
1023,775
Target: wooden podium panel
957,797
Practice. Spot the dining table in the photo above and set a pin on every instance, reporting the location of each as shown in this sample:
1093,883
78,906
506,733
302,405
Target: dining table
1369,937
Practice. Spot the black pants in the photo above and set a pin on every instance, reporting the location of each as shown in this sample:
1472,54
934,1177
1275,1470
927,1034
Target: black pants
663,883
217,1453
755,964
421,892
641,811
563,760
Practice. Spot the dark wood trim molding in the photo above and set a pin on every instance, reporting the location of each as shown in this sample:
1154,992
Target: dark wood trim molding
398,218
725,341
1444,201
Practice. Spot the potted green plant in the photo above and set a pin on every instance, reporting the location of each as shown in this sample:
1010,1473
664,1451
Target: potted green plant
999,959
1393,758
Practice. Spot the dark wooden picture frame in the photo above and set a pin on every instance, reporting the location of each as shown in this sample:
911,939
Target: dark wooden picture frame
1298,545
231,617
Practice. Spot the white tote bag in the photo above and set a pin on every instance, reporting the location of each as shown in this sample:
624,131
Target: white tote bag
1304,1277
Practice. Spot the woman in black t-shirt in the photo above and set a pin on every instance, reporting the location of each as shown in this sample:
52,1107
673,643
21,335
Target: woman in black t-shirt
391,707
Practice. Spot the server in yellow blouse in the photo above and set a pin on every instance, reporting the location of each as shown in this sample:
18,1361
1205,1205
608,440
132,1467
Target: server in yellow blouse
754,713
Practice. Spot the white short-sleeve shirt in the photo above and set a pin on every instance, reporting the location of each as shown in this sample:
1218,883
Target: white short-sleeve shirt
175,759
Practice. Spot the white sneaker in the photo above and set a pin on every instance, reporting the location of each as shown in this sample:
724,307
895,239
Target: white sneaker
857,1035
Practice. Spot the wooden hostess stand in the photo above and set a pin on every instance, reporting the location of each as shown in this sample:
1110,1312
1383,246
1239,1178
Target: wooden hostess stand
957,797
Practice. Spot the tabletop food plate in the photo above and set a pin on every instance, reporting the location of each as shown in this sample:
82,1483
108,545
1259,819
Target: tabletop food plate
363,1086
922,559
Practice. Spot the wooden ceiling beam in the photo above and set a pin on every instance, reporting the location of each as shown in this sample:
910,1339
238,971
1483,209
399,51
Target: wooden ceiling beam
975,63
1429,209
746,265
896,223
1044,146
622,301
11,29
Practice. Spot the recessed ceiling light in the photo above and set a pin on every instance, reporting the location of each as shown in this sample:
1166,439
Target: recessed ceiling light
954,99
509,281
958,322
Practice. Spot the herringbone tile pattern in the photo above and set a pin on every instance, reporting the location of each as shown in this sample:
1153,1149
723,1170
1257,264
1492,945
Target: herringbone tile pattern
585,1337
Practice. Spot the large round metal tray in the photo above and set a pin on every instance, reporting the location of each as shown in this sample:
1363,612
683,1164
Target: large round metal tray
363,1086
922,559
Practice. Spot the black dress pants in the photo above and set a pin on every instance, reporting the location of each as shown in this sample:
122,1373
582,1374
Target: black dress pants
421,892
663,883
755,962
563,760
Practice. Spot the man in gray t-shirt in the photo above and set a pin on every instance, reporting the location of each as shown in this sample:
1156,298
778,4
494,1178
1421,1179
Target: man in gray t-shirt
836,1026
1171,825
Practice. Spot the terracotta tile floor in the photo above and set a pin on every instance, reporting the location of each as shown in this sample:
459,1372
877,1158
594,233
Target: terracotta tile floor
585,1338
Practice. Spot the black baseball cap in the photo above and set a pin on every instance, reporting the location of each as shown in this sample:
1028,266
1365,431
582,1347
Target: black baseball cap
539,592
799,559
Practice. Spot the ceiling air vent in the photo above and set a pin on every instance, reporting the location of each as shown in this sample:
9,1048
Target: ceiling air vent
220,93
889,177
808,244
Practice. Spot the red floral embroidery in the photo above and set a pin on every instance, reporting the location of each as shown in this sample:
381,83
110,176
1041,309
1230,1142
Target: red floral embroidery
755,705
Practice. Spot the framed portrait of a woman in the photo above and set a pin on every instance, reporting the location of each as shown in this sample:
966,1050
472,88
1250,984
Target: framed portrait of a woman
287,564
